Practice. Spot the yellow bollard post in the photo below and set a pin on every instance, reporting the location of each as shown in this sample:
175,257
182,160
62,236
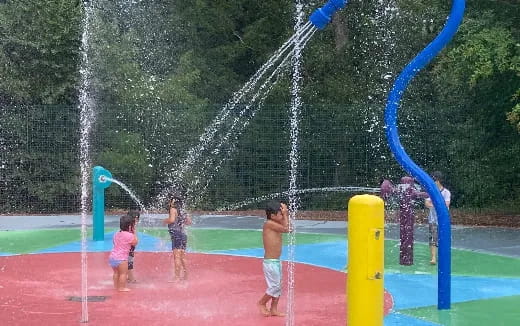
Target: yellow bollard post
365,296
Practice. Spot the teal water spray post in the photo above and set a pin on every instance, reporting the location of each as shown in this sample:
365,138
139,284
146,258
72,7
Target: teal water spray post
101,179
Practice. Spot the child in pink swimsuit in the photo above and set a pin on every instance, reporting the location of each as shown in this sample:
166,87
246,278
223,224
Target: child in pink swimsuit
118,258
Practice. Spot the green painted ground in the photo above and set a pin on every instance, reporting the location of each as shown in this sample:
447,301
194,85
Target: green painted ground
22,242
463,262
226,239
496,312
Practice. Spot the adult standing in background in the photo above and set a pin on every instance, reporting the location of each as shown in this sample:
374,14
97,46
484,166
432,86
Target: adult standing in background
406,194
433,226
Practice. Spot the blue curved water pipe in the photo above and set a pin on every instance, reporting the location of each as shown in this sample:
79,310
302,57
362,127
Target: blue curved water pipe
421,60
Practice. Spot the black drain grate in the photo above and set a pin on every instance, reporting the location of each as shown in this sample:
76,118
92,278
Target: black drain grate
90,298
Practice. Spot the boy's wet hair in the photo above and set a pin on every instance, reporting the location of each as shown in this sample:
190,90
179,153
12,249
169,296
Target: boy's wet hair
438,176
125,222
135,214
272,207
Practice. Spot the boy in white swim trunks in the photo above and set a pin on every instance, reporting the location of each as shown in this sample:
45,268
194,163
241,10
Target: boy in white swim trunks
277,223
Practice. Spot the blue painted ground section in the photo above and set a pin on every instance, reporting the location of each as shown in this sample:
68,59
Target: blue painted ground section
325,254
420,290
6,254
146,243
397,319
407,290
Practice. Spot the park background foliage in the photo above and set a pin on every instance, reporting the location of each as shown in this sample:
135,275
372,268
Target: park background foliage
162,70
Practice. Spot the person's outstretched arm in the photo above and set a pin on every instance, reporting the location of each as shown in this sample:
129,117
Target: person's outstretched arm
285,214
135,240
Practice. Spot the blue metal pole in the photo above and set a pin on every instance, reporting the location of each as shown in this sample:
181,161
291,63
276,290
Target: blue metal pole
100,181
402,81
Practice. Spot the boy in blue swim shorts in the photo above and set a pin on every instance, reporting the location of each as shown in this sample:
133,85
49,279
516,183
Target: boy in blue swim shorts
277,223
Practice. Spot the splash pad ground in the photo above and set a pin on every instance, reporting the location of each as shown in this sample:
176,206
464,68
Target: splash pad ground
40,268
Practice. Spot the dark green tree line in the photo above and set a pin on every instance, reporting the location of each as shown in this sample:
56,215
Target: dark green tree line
163,69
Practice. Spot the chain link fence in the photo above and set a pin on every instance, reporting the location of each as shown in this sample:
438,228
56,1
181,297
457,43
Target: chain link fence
340,153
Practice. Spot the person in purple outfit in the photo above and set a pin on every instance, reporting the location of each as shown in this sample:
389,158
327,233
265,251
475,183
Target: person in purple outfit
406,194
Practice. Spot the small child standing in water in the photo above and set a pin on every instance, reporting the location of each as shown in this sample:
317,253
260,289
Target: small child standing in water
276,224
118,258
131,277
177,221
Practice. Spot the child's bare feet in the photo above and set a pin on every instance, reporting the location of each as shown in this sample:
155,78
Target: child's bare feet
263,310
124,290
433,262
277,313
132,281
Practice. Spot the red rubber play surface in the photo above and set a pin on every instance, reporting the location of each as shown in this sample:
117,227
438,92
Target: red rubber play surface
221,290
